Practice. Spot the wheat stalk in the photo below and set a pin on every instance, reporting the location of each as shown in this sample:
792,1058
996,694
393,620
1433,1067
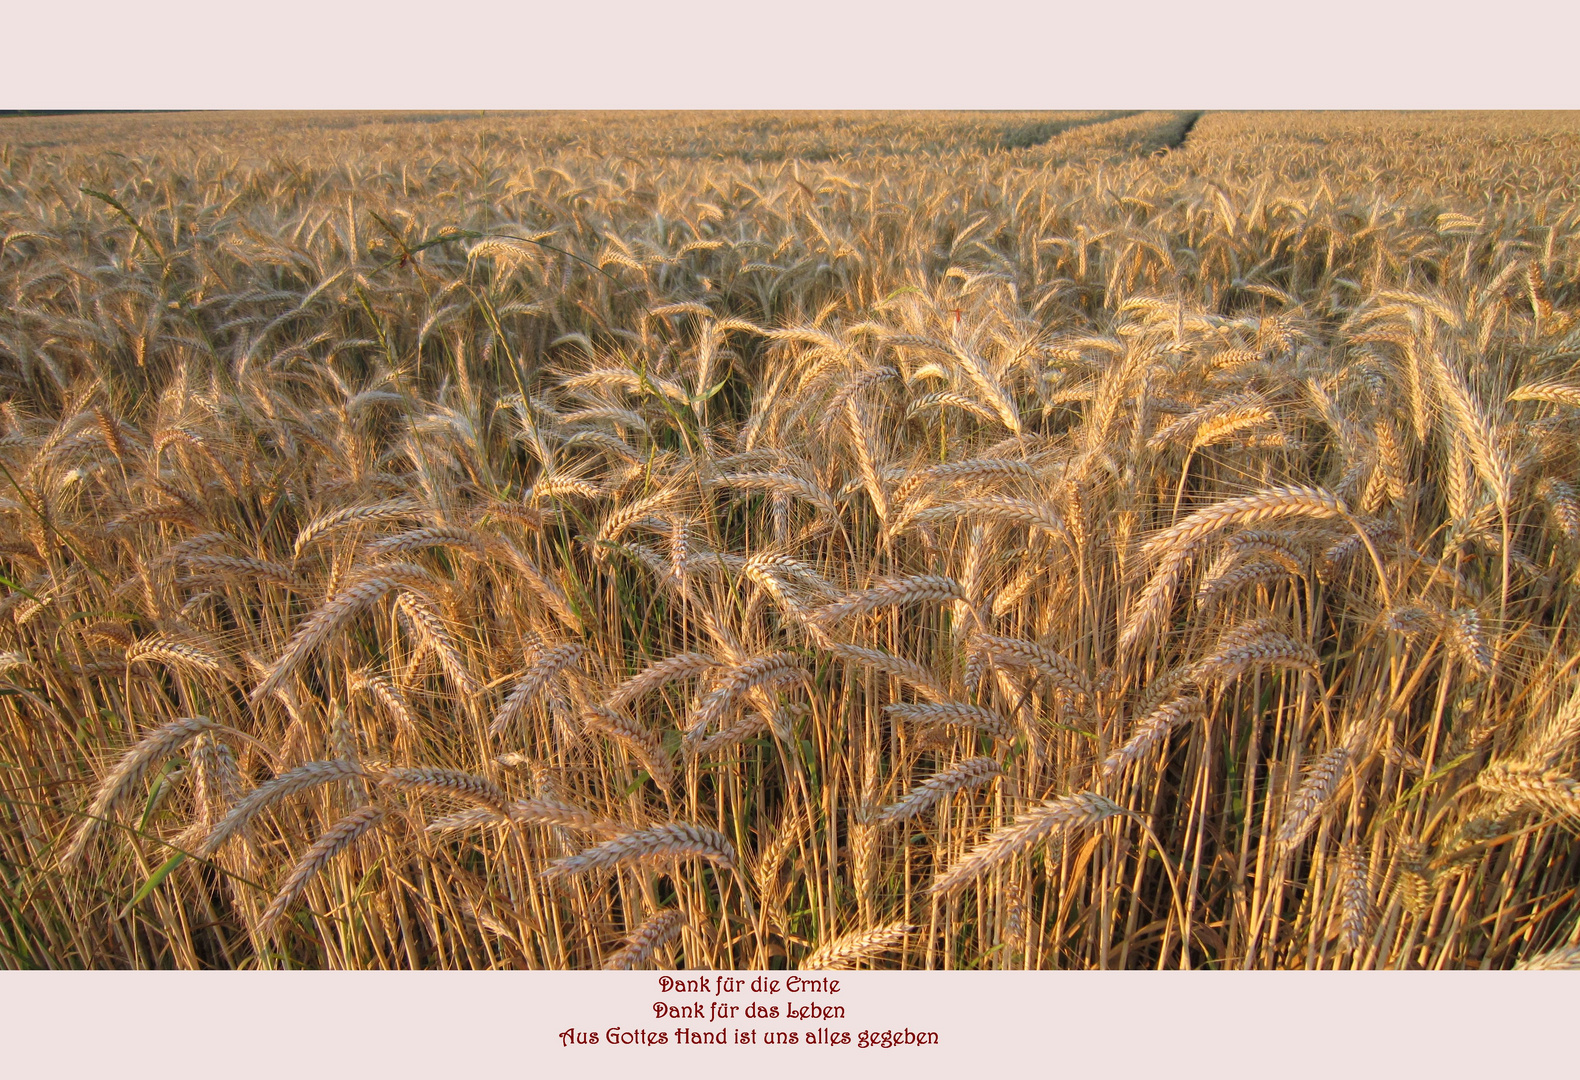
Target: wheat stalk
658,930
132,767
1269,648
320,626
163,648
658,843
1152,730
1044,661
1083,810
660,673
351,516
1556,960
345,832
1547,790
770,669
954,712
1316,788
892,592
302,778
1355,896
969,774
907,671
448,782
844,953
635,738
456,537
548,663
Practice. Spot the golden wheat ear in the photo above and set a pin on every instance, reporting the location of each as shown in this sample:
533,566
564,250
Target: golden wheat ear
660,928
676,840
345,832
846,952
302,778
121,781
1069,812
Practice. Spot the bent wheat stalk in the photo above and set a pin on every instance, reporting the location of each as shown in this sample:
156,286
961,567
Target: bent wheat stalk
660,928
129,770
1084,810
962,777
345,832
676,840
846,952
302,778
321,626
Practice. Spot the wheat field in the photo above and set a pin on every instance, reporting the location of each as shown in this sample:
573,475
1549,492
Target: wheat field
996,540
